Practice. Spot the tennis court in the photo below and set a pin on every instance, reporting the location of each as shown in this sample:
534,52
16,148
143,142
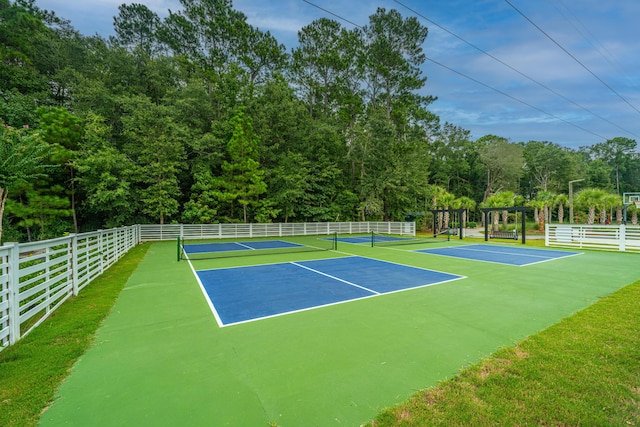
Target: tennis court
161,358
202,249
511,255
196,248
242,294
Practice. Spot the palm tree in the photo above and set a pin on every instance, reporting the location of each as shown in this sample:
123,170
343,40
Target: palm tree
463,203
506,198
611,201
445,202
543,200
591,198
538,205
561,200
494,201
437,193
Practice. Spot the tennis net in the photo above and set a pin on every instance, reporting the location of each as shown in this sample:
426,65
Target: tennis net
381,239
202,248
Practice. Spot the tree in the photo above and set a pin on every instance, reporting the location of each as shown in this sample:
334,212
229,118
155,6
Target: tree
22,157
591,198
136,28
494,201
63,132
157,145
106,175
542,202
561,200
545,163
617,152
503,161
393,56
326,69
465,203
242,179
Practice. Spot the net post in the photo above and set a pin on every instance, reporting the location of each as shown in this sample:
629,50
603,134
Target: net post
178,240
335,240
373,239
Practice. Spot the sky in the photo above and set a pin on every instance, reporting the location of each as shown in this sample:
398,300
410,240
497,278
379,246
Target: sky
564,71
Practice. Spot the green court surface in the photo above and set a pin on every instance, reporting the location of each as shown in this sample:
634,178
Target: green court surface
160,358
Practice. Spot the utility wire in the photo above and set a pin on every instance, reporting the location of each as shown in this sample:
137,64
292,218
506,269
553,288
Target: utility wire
573,57
516,99
589,36
331,13
477,81
518,71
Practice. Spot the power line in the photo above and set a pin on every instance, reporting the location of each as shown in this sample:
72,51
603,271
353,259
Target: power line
332,14
518,71
516,99
573,57
475,80
588,36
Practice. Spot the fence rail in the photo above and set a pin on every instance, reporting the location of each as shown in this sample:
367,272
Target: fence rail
36,278
222,231
613,237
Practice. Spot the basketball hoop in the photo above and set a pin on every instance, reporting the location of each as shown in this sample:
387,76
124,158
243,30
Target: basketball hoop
631,199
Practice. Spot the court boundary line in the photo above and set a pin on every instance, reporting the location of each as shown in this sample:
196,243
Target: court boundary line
275,263
300,310
397,263
348,255
244,246
466,247
334,277
206,295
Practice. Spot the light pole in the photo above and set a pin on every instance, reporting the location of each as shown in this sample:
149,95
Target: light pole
571,199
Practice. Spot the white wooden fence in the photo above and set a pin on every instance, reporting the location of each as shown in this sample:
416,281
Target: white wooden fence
222,231
613,237
36,278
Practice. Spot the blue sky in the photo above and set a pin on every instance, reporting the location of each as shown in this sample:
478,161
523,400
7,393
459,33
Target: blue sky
571,104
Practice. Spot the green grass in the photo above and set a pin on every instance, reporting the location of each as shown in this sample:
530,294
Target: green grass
585,370
32,369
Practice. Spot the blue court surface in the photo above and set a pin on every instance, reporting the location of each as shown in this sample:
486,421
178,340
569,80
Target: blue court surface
355,240
196,248
242,294
511,255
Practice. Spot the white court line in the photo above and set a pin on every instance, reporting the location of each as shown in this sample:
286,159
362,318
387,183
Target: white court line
492,251
244,246
469,249
301,310
206,296
335,278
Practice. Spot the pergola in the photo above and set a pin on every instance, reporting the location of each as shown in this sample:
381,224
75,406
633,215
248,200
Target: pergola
456,211
522,209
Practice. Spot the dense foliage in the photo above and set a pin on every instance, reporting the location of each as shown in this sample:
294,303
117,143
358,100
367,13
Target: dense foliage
201,117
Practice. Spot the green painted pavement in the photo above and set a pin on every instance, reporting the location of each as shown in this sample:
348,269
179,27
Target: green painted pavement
160,359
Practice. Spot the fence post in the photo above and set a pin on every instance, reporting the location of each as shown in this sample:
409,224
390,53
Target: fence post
546,234
74,262
14,288
101,250
622,233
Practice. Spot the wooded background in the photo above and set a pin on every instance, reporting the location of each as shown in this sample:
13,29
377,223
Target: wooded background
200,117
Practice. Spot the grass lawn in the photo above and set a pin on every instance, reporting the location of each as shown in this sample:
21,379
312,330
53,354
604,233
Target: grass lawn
32,369
583,371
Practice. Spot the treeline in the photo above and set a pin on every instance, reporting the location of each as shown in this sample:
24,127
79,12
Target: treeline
200,117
